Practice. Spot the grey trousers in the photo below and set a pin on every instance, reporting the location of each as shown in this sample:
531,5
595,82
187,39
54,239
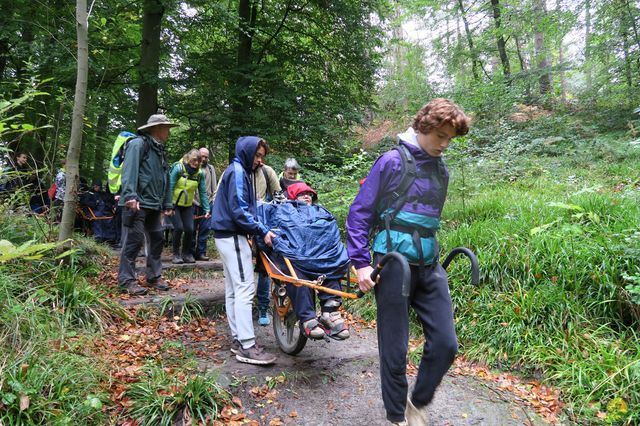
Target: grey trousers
134,227
239,287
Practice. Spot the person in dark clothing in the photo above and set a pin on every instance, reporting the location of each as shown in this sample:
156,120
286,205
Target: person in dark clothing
16,176
290,174
144,196
234,217
101,205
415,219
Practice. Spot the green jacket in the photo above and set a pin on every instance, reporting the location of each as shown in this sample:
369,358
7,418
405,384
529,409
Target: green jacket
146,181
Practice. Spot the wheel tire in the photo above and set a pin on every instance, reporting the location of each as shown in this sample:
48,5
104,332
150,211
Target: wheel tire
289,334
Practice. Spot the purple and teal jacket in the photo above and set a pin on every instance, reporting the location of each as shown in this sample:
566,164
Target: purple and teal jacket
421,210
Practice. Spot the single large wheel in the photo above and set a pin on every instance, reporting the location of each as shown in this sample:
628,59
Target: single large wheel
289,334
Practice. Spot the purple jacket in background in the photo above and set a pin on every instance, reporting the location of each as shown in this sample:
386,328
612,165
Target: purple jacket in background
427,194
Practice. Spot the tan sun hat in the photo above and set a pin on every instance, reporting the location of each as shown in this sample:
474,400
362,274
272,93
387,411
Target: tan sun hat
157,120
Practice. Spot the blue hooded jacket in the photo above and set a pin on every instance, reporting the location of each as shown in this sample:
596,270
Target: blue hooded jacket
234,210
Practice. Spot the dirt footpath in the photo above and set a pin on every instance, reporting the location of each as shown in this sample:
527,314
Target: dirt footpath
328,383
337,383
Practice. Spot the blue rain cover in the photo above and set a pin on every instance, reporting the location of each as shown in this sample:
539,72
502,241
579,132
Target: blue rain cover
307,235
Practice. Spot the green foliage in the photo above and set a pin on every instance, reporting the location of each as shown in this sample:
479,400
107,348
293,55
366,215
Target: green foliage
187,310
58,387
633,288
49,310
160,399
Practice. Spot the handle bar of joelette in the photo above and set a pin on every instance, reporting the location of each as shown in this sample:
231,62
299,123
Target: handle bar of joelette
404,265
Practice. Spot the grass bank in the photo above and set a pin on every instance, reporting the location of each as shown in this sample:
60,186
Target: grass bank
555,223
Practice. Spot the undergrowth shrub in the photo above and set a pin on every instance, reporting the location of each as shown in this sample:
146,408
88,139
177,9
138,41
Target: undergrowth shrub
161,399
51,387
47,310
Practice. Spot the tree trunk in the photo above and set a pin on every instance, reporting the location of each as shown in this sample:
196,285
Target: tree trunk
475,62
587,45
523,70
542,57
563,81
502,45
149,60
247,12
100,147
77,124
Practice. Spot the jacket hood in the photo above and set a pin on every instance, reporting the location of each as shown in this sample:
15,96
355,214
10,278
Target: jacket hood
298,188
246,147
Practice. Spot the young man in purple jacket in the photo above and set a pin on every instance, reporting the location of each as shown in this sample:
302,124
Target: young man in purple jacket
415,218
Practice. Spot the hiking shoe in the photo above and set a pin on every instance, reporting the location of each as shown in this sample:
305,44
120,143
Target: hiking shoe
334,323
235,347
202,258
188,258
400,423
255,355
159,284
133,288
312,329
263,319
177,260
416,416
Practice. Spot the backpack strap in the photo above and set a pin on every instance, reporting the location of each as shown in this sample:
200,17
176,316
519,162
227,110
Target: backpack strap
266,180
408,175
397,199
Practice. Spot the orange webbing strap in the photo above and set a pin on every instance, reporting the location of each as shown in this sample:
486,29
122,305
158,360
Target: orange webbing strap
269,266
92,216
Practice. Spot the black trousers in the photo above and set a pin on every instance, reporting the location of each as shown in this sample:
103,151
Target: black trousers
135,226
430,299
183,229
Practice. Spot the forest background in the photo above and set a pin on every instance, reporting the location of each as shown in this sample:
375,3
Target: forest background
545,188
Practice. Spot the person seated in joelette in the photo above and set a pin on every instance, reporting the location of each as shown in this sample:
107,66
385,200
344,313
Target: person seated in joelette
308,235
303,298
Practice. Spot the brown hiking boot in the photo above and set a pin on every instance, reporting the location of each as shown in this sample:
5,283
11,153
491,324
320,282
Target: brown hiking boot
159,284
133,288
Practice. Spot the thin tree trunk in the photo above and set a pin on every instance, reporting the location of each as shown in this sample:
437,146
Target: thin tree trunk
541,52
523,69
632,20
100,147
398,49
149,60
563,82
627,61
247,12
75,143
475,62
502,45
587,44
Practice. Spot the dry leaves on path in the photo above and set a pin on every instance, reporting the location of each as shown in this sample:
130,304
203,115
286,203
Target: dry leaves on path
543,399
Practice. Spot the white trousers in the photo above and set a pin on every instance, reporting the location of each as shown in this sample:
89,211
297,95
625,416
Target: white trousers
239,287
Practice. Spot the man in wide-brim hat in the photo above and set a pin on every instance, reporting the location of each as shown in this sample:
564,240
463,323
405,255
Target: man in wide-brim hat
145,196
